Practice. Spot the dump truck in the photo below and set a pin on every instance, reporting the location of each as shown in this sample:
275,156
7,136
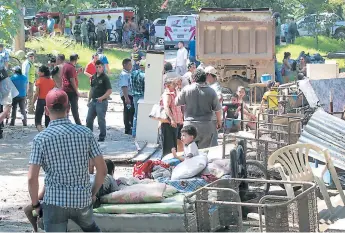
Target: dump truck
239,43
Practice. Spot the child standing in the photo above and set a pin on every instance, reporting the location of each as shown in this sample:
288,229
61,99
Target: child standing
271,98
231,114
190,149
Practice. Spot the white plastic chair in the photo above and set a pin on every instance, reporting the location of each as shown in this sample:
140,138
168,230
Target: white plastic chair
292,163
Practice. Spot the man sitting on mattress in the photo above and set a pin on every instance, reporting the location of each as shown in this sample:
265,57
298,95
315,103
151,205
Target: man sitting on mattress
109,185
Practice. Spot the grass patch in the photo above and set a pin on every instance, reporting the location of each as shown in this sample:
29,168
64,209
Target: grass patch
308,45
56,46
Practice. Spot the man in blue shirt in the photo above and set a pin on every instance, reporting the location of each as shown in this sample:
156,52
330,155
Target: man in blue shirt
192,52
138,88
103,58
21,83
119,25
126,95
50,24
152,35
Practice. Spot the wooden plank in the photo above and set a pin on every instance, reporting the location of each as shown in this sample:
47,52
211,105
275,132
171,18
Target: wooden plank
146,152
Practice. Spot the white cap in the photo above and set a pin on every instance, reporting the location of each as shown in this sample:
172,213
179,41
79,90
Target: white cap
211,70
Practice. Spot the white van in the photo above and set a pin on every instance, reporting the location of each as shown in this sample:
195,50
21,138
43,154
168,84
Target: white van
179,28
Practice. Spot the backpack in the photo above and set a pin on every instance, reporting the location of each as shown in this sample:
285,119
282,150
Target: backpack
77,29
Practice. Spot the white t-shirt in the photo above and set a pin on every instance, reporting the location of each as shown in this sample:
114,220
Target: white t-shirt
109,24
190,150
181,58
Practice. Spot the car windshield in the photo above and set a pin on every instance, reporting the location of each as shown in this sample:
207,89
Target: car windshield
182,22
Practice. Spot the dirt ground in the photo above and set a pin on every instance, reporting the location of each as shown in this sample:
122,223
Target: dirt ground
14,156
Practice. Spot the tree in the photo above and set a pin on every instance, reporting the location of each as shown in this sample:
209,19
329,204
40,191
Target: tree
8,22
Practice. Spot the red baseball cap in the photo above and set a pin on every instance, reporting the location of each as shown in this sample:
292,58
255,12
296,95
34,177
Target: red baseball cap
56,98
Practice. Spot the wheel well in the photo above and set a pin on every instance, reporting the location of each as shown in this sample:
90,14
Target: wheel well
340,29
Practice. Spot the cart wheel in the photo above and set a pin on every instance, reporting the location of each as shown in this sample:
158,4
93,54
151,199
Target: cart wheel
255,170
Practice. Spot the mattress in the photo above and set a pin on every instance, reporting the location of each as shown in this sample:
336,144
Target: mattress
171,205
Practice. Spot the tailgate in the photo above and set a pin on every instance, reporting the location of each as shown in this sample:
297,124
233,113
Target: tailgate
229,36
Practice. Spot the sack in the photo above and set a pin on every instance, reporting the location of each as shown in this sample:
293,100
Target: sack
189,168
158,113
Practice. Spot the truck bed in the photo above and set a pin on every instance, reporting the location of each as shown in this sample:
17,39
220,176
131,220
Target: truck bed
230,33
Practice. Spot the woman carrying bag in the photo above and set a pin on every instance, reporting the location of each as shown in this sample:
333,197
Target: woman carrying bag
169,128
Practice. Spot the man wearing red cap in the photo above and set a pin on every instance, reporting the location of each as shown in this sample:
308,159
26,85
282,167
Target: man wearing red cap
64,150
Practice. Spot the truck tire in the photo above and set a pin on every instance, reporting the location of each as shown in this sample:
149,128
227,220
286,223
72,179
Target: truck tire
340,33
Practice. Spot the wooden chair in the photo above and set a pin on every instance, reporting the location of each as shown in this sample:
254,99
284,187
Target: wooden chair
292,163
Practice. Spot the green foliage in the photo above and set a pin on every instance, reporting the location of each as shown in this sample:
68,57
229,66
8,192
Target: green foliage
307,44
54,45
8,20
67,6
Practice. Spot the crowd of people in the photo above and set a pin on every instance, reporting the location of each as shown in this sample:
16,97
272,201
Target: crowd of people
86,32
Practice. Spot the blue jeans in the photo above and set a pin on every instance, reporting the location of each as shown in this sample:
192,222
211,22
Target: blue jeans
55,218
135,101
67,31
98,110
109,33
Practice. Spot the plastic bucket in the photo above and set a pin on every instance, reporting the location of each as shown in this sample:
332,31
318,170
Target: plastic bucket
265,78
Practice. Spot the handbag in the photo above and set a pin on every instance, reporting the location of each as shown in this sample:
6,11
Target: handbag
158,113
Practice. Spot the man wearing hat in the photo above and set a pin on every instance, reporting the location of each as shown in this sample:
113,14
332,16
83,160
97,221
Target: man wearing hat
98,100
103,58
138,89
29,71
211,79
201,103
64,151
21,83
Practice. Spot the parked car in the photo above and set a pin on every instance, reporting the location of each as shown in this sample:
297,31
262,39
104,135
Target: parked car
160,30
179,28
328,24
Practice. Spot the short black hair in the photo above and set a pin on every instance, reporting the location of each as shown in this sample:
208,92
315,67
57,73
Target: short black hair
168,67
181,42
234,95
126,61
74,57
190,130
45,70
199,76
191,64
99,62
110,165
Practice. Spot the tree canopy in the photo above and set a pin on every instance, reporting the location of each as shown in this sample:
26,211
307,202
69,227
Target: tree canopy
152,8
